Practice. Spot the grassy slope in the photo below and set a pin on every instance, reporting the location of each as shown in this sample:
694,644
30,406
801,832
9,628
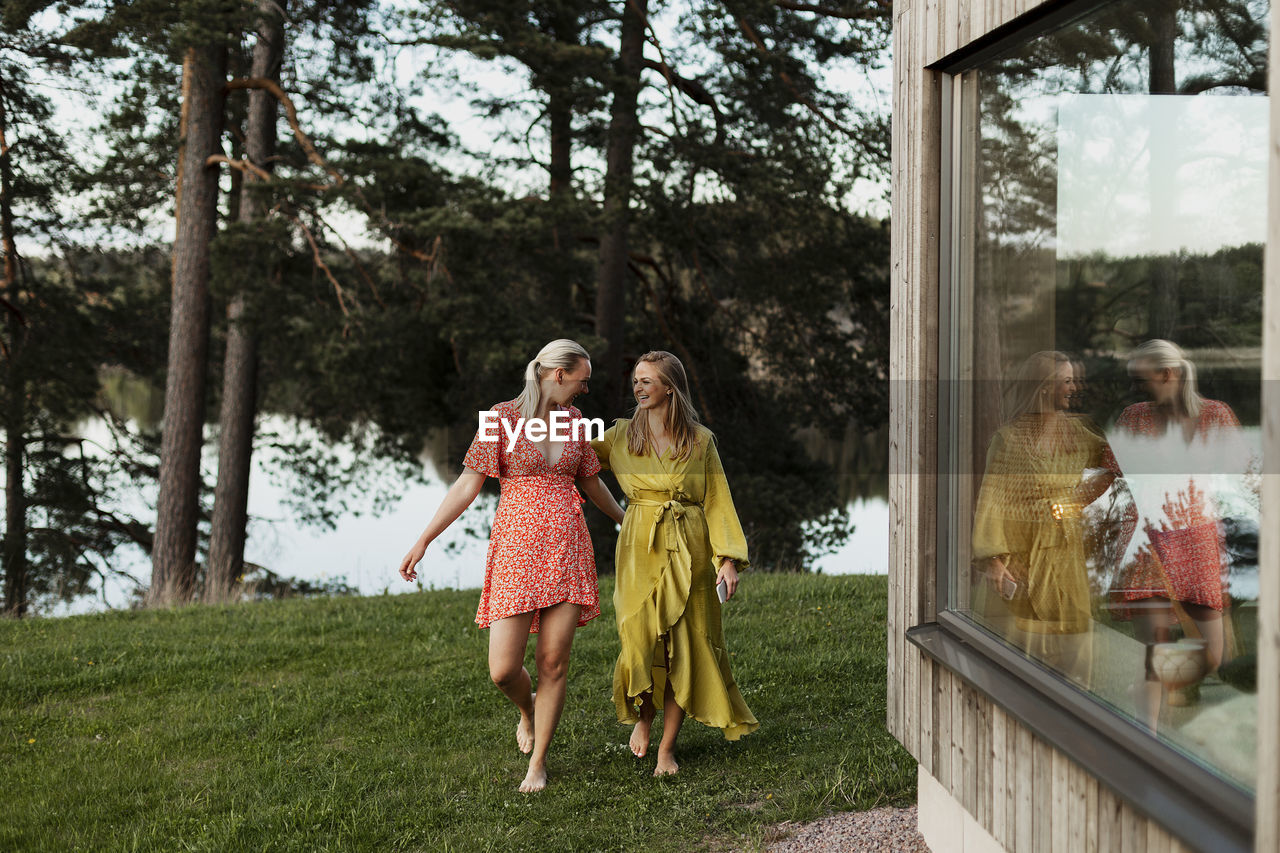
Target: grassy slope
350,723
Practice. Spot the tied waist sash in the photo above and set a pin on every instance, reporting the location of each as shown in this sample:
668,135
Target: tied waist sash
671,589
669,509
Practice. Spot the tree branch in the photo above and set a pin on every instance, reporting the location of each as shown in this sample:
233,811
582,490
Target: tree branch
680,348
13,309
827,12
808,103
257,171
373,288
291,113
319,262
692,89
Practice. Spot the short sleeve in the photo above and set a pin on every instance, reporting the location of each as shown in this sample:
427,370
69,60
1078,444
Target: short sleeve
723,526
483,455
1221,416
603,446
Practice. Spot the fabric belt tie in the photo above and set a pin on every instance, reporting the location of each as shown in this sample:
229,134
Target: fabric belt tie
672,589
669,509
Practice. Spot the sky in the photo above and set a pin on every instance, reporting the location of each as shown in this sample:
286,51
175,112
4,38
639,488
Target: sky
1209,154
447,83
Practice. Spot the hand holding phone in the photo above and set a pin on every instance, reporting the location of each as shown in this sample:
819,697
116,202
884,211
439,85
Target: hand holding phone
722,591
1008,588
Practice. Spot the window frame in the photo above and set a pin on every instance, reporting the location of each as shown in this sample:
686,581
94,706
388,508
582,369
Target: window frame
1203,809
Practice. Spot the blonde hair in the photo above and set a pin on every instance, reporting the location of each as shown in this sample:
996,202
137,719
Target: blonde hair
1166,355
560,354
1037,374
682,417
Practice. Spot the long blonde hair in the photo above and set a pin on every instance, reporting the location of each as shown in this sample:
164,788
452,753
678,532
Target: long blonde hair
1035,376
1166,355
561,353
682,417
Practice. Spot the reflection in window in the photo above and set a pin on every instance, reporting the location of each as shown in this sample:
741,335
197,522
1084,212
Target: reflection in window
1110,206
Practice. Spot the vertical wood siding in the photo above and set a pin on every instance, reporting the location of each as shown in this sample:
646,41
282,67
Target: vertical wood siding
1029,796
1267,826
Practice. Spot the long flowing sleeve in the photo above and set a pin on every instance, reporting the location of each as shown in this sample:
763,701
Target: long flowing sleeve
727,539
988,518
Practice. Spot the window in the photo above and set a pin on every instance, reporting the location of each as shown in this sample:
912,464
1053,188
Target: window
1107,203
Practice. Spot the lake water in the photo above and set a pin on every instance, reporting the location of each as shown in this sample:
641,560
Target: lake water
365,548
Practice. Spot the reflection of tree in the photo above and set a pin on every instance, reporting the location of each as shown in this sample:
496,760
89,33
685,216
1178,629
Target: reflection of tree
1102,306
1148,47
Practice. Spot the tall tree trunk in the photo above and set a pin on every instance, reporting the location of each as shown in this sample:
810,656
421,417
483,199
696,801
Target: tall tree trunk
14,393
560,113
240,365
624,126
173,568
560,80
1162,310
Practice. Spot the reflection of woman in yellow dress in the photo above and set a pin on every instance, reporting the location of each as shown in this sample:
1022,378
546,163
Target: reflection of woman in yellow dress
679,539
1043,467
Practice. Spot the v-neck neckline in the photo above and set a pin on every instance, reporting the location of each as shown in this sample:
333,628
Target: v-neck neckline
550,466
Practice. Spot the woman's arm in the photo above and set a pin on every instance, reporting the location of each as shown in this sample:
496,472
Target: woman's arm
460,495
601,497
728,544
1094,487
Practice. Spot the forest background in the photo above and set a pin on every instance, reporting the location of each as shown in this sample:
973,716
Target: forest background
706,177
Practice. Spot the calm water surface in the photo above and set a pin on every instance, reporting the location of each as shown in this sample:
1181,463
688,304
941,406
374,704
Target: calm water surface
365,548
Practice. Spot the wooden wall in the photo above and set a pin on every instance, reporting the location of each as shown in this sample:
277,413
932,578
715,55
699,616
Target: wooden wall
1267,827
1028,795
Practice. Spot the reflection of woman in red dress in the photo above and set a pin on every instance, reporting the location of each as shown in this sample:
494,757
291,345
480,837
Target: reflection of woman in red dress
540,574
1181,560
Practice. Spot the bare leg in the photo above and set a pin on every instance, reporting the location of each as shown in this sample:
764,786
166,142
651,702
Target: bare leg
672,718
555,639
640,732
1153,625
1209,623
507,640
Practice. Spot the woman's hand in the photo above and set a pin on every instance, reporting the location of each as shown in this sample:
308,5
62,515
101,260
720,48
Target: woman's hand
729,574
409,565
999,575
456,500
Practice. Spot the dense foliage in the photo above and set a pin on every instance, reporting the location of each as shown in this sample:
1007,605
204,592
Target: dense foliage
397,271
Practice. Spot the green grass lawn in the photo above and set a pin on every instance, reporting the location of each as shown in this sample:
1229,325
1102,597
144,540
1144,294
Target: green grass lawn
371,724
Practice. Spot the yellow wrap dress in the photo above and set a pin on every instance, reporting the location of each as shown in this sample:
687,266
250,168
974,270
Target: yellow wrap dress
1030,514
680,525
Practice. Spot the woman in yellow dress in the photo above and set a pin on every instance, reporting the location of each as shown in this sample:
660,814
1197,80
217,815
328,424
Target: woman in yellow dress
1044,466
679,540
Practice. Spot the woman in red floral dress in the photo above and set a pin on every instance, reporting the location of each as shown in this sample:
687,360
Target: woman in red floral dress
1181,561
540,573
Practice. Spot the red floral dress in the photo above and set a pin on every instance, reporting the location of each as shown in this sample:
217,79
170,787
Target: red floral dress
539,549
1186,538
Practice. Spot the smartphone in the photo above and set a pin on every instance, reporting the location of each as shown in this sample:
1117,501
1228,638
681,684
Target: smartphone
722,591
1008,588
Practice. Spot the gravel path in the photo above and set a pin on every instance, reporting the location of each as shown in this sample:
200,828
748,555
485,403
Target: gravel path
888,829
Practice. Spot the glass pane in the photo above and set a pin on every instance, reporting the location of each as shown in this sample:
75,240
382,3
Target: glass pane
1110,213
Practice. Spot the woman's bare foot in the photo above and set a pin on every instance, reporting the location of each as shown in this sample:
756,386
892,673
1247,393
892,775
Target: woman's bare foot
639,742
666,764
534,780
524,734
